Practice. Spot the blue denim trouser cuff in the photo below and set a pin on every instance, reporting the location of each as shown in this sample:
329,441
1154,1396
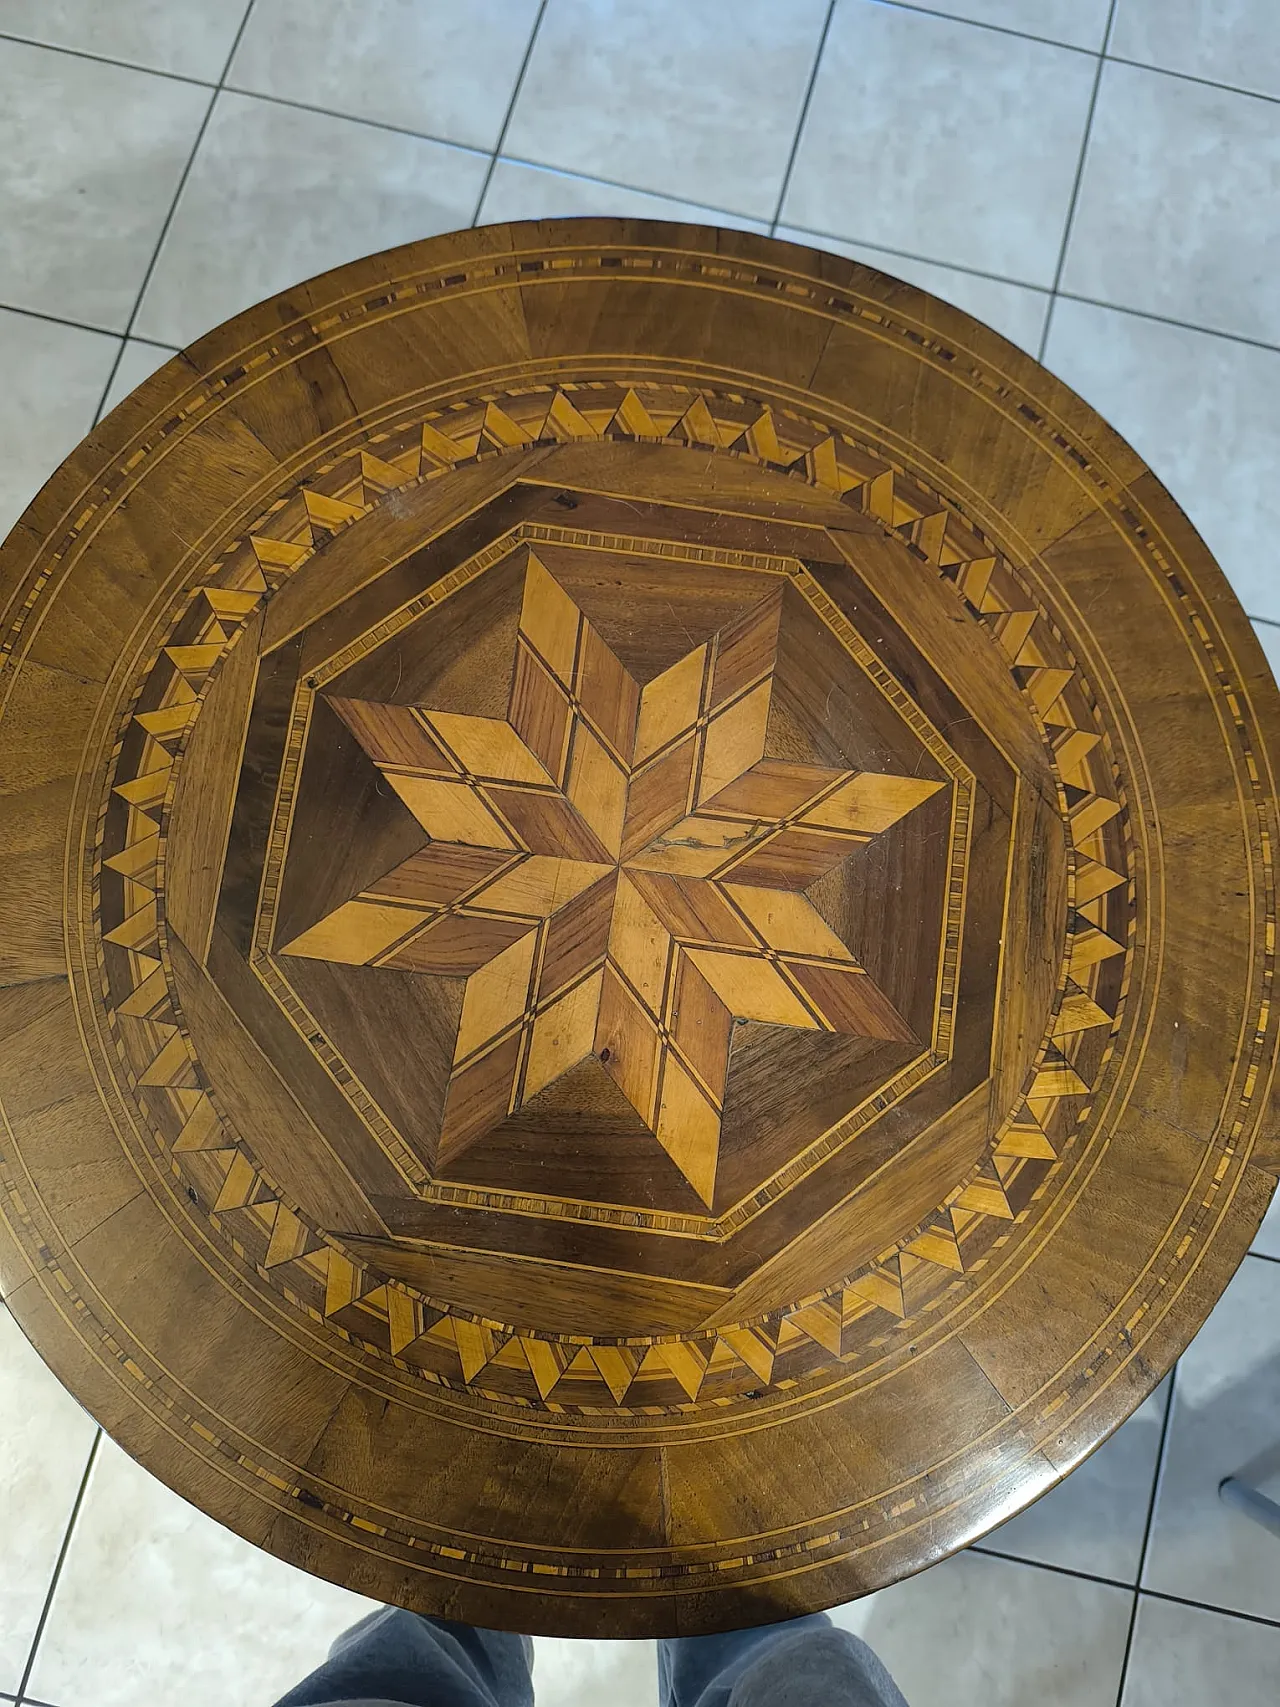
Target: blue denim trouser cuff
398,1659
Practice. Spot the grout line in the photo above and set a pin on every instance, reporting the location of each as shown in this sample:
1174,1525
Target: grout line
151,344
1189,77
983,24
1058,1570
930,260
114,369
103,59
78,326
1042,343
1073,47
631,189
25,1679
60,320
1168,320
1128,1588
351,118
1151,1512
172,349
1205,1606
1075,185
511,107
803,118
173,208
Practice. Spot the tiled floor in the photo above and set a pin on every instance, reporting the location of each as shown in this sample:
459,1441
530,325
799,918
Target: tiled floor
165,162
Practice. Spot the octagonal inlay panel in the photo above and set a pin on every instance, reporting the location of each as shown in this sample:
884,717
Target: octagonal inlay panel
616,872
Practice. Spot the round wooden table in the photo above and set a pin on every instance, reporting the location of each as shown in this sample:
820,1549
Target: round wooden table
638,927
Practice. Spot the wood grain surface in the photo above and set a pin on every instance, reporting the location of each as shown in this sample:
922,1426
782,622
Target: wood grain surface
637,923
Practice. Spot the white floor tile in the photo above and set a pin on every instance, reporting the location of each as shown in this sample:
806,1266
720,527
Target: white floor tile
158,1604
1078,23
1177,208
191,38
1202,412
942,139
517,191
687,100
1015,310
46,1440
979,1632
1266,1240
90,158
138,361
1094,1521
1269,634
53,381
1225,1421
446,68
1184,1657
591,1674
1225,41
277,194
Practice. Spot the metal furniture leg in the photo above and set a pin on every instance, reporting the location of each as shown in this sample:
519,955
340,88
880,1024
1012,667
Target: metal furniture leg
1247,1499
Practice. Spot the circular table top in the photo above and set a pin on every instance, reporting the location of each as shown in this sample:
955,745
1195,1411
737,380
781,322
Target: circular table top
638,922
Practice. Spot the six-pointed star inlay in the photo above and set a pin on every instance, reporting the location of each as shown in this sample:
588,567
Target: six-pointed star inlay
616,870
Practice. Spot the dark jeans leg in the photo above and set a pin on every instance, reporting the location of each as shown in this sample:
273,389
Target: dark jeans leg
805,1663
399,1657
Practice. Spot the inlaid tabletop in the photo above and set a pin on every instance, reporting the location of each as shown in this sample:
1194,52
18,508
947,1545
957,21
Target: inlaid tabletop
637,927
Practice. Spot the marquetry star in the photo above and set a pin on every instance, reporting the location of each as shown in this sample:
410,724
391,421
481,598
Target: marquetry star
616,870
